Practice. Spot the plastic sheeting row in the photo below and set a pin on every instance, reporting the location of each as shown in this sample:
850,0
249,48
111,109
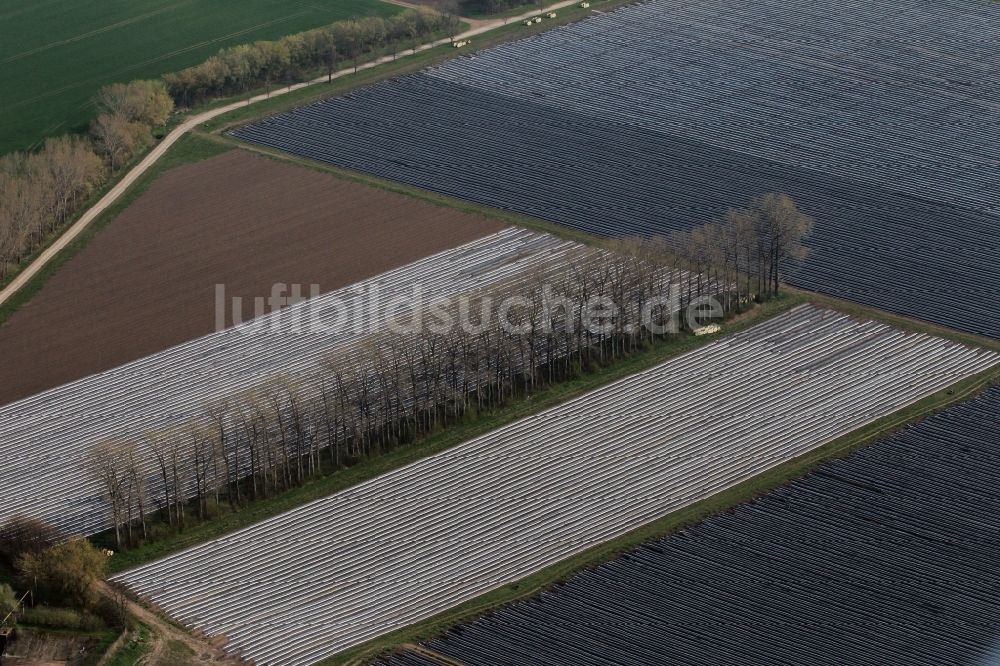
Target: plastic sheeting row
404,546
886,556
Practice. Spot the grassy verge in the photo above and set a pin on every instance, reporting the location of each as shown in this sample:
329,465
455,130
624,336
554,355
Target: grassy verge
131,650
429,196
103,643
517,10
486,421
176,654
189,148
180,153
695,513
899,321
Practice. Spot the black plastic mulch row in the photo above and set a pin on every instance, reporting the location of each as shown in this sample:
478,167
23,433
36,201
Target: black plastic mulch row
870,245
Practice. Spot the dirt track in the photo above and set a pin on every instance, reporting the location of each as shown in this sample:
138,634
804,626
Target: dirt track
147,281
29,271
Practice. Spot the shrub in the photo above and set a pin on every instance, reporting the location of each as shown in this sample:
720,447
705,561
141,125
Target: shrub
65,574
61,618
8,600
113,610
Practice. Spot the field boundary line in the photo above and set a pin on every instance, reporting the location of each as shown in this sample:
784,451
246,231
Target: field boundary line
112,195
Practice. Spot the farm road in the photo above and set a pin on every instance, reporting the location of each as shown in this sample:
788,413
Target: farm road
162,631
193,121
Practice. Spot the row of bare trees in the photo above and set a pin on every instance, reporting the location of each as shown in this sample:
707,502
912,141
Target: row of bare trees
464,357
751,248
42,190
127,114
240,68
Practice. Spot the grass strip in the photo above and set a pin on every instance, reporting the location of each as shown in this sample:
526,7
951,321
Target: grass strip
445,438
131,649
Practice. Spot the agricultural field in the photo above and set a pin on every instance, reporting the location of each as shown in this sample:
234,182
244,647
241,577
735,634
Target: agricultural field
885,556
879,118
561,456
55,54
147,281
45,439
428,536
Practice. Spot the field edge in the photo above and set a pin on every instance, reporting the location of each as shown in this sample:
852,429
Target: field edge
189,149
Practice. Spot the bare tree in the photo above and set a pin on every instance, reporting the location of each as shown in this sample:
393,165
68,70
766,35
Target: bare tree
107,462
117,137
135,486
785,227
390,388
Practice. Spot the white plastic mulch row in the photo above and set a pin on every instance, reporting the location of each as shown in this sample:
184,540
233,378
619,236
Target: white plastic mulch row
44,439
402,547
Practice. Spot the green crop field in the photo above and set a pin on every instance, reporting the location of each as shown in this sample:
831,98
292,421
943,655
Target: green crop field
55,54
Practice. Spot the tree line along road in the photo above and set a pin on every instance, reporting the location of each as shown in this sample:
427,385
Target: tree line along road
115,193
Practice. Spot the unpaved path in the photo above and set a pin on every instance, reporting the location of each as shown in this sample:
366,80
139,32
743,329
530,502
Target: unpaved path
193,121
162,631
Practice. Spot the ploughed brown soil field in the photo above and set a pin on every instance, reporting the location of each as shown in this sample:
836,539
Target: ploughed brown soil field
147,281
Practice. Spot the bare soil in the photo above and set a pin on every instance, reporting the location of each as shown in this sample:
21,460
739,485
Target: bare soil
147,281
32,647
164,633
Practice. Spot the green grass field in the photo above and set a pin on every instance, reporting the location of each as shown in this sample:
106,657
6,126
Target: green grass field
55,54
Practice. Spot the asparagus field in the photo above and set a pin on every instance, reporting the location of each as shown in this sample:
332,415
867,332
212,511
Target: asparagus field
426,537
883,557
879,118
45,439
